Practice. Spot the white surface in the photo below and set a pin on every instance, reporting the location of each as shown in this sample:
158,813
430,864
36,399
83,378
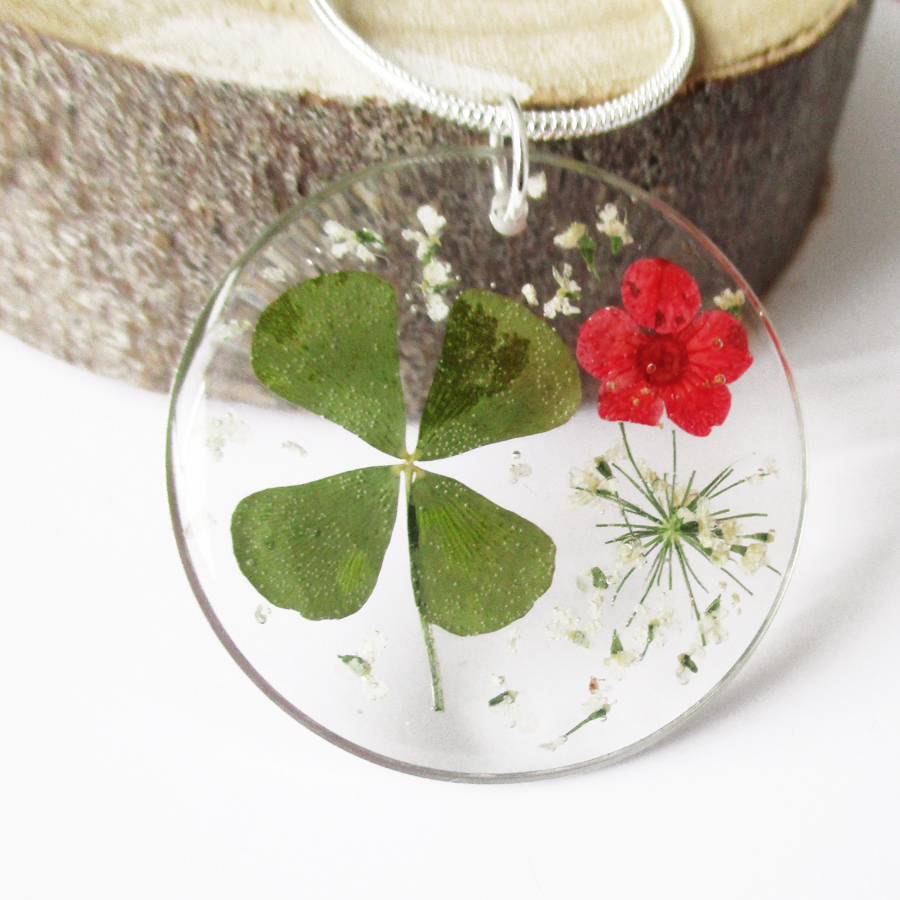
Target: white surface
139,762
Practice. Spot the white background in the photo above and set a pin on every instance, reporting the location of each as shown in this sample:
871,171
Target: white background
137,761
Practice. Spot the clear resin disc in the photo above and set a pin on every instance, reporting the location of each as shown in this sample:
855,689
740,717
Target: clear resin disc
481,507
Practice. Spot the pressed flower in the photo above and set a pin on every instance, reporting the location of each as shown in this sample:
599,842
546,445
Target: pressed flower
567,290
567,626
660,353
569,239
611,225
530,294
360,664
346,242
429,239
729,299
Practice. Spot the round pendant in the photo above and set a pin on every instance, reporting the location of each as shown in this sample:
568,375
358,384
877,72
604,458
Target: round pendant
481,507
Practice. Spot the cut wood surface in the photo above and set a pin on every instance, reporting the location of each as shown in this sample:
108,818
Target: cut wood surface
144,144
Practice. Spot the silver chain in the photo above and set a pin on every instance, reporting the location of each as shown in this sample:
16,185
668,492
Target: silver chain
539,125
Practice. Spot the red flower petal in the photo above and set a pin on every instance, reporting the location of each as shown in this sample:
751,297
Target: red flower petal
717,348
629,399
608,343
660,295
697,407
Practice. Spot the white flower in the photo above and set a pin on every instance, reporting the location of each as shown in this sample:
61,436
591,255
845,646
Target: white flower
345,242
611,225
555,744
588,482
619,657
220,431
536,186
567,290
711,622
631,556
517,471
729,299
436,307
505,704
225,331
436,278
571,236
262,613
567,626
687,663
653,617
597,699
428,240
360,664
294,447
754,557
530,294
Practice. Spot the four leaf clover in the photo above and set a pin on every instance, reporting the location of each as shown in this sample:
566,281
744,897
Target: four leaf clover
329,345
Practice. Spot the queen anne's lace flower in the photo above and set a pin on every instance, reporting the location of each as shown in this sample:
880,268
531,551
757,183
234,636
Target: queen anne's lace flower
568,289
429,239
360,664
567,626
569,239
345,242
611,225
660,353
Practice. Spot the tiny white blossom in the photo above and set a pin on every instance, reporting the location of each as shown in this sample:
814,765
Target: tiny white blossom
262,613
225,331
555,744
436,307
428,240
729,299
571,236
567,626
506,705
220,431
687,663
611,225
754,557
712,625
567,290
530,294
360,664
274,275
518,471
346,242
436,277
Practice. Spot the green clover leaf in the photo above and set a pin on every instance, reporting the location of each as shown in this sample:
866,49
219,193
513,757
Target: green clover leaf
330,346
476,567
318,548
503,373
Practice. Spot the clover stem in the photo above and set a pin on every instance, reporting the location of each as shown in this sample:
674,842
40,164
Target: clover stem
437,690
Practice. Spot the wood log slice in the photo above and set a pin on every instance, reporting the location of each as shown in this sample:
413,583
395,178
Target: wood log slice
145,143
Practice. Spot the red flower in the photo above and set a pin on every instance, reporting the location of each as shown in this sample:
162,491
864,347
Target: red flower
662,352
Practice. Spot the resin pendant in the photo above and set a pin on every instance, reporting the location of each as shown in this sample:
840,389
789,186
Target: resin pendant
481,507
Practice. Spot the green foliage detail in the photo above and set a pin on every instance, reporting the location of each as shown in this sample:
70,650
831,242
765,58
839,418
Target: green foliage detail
317,548
475,567
329,345
503,373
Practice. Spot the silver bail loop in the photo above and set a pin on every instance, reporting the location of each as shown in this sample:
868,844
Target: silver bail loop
509,208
